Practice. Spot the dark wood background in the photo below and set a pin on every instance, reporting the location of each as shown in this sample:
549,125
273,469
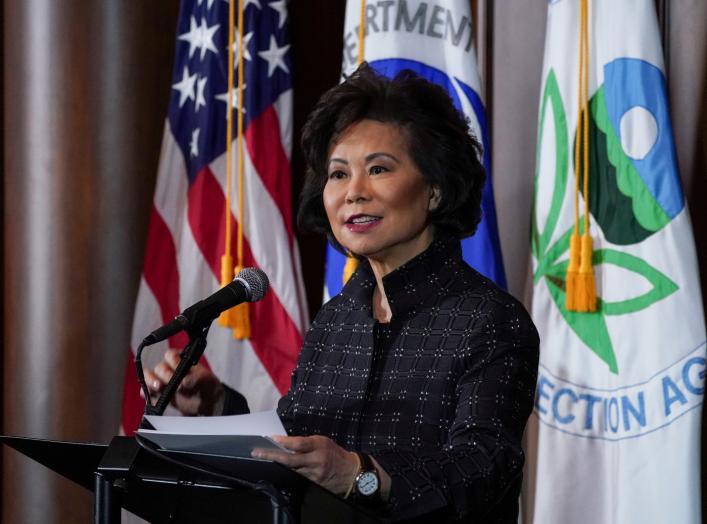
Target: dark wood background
85,85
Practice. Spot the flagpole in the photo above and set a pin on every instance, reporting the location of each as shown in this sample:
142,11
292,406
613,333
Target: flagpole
663,8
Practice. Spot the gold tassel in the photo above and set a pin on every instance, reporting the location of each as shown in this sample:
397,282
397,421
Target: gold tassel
572,272
361,34
581,291
586,291
225,319
240,316
236,318
350,267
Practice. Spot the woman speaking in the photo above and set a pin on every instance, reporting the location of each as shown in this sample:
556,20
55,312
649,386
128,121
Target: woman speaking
414,384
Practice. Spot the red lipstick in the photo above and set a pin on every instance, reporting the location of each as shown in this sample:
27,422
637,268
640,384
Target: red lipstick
361,223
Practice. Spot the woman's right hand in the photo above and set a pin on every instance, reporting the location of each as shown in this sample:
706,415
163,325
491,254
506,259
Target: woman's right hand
200,393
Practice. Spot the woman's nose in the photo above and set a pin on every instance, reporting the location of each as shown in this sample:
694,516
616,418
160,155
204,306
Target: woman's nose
357,189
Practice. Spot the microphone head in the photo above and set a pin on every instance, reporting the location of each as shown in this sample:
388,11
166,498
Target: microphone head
255,281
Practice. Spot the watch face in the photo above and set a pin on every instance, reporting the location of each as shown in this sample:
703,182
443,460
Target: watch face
367,483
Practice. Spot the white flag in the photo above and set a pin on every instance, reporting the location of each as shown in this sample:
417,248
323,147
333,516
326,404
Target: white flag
433,38
615,435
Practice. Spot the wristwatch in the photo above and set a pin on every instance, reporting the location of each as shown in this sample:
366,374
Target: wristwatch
367,484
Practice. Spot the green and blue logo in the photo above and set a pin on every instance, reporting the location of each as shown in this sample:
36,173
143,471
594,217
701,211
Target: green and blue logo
634,189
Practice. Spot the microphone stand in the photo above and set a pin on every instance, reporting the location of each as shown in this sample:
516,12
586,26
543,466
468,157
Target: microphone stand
190,356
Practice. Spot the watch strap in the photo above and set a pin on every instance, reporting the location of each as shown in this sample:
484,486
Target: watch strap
366,464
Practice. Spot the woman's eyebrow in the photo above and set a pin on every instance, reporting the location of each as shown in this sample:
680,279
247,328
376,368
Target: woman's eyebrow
369,158
373,156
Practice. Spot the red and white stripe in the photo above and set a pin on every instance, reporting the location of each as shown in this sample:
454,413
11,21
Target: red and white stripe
182,262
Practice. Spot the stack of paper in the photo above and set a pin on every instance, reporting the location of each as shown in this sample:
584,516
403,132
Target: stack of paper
232,436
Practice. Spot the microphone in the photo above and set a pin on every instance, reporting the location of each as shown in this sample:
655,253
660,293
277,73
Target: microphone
250,285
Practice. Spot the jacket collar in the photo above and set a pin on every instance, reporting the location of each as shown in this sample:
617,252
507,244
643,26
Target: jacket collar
414,284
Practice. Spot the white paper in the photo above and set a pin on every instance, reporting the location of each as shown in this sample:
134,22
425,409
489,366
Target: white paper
234,435
263,423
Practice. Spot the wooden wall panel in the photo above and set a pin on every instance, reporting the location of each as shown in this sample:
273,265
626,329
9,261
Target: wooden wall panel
2,229
86,104
518,37
686,34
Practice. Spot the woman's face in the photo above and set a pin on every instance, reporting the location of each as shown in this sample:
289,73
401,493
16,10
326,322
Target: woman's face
375,197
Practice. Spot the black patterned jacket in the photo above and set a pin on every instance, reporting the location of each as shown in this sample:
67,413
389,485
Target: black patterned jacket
439,396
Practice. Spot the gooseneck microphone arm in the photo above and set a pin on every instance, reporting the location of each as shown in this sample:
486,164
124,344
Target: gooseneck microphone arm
190,356
250,285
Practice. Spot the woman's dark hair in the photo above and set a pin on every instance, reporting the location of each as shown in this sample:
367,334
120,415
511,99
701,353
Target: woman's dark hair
438,141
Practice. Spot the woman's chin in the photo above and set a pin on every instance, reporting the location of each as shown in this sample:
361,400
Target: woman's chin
361,247
361,251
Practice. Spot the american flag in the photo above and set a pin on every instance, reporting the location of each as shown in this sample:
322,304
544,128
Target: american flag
187,224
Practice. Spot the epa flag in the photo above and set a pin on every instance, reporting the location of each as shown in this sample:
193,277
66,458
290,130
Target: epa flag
187,224
434,39
615,434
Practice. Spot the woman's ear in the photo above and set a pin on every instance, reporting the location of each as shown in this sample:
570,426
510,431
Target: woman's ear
435,197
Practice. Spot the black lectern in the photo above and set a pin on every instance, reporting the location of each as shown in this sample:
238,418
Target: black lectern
180,487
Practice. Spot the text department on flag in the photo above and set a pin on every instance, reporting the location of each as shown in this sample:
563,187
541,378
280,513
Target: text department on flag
409,16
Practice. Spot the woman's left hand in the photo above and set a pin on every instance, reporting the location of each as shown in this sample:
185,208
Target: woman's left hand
318,458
